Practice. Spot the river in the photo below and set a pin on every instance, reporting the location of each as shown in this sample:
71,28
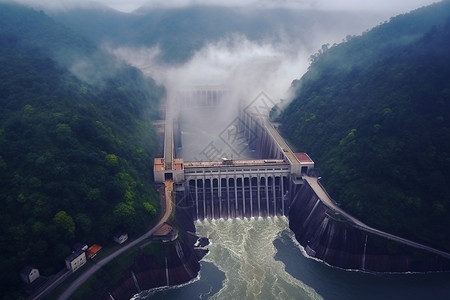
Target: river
260,259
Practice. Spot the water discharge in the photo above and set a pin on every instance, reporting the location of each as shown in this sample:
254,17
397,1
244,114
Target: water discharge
244,251
260,259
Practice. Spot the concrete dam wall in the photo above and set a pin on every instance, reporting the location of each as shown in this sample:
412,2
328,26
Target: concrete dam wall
237,189
279,182
328,236
159,263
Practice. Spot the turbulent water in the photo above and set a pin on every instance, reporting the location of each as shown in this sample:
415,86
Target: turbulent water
244,251
260,259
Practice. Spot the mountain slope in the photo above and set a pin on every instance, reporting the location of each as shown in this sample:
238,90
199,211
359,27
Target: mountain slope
75,147
374,114
179,32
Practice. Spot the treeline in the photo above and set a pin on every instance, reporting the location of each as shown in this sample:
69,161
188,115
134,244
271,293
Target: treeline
76,152
180,32
374,114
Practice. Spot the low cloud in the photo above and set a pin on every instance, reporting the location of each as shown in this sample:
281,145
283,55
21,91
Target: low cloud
395,7
243,66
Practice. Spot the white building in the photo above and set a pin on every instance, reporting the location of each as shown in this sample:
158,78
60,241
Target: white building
29,274
76,260
121,238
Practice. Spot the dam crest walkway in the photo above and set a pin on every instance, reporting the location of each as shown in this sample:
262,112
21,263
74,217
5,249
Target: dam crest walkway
326,199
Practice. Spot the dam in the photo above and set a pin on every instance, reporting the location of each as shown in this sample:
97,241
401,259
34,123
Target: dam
233,188
226,183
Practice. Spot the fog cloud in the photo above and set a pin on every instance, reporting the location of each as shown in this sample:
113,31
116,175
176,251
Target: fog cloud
243,66
395,7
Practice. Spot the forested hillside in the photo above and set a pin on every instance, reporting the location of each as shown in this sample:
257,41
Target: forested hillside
76,145
374,114
180,32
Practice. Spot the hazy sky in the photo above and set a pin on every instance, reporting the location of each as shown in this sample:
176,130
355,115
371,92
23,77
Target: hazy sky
389,5
241,65
394,6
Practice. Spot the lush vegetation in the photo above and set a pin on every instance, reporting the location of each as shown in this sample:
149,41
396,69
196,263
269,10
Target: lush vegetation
76,146
374,114
180,32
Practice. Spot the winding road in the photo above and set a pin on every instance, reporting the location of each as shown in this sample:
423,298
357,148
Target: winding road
167,209
325,198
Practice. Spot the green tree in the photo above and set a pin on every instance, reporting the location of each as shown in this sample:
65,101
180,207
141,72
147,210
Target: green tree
65,224
84,222
124,211
150,209
369,112
112,160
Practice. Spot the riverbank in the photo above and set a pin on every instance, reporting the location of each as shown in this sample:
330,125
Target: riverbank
150,264
161,263
337,240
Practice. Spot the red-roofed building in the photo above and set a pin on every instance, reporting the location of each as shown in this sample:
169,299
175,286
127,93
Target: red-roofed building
305,161
161,174
93,250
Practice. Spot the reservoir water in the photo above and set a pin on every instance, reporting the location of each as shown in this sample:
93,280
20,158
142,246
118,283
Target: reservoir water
260,259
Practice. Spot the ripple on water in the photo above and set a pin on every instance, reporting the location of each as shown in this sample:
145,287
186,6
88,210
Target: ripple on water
244,251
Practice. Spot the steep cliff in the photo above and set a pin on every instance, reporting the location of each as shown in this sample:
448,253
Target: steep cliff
328,236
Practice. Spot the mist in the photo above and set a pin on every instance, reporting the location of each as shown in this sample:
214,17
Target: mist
244,66
248,48
393,7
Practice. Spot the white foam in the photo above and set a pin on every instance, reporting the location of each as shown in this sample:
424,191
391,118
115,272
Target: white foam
243,249
145,294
